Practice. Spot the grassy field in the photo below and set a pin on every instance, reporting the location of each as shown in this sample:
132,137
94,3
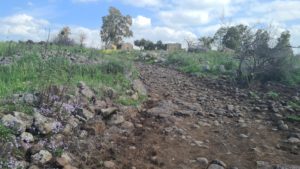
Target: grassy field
210,63
202,64
30,72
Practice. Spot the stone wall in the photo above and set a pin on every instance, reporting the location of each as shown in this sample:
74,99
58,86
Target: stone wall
173,47
127,46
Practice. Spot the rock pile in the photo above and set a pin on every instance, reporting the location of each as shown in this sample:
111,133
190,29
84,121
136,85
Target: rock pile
45,138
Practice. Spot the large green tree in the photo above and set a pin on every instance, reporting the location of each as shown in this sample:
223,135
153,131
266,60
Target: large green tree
115,27
218,37
235,36
144,44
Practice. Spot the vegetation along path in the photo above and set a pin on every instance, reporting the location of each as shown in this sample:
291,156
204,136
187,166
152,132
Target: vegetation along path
192,123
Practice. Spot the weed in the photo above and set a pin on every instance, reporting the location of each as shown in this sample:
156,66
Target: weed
272,95
19,107
253,95
5,133
127,101
31,73
294,118
194,62
58,152
294,105
113,67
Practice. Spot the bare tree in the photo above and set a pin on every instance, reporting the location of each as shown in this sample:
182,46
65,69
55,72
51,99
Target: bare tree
63,37
194,45
82,38
206,42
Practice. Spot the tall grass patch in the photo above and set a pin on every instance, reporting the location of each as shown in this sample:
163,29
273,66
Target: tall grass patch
31,73
196,62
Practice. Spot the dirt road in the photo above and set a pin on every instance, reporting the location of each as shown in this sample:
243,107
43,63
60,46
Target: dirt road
188,119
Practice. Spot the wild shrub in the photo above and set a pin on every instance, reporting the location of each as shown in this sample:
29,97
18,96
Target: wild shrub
63,37
113,67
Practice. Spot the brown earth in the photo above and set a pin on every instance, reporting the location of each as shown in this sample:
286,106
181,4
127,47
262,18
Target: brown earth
186,118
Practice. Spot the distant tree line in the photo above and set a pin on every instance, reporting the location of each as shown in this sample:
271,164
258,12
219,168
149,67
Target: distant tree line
62,38
149,45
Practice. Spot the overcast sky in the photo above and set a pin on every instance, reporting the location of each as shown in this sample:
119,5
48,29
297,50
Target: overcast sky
166,20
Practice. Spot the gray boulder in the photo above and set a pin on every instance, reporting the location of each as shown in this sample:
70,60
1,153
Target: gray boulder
41,157
27,137
85,90
138,86
116,119
46,125
18,121
215,166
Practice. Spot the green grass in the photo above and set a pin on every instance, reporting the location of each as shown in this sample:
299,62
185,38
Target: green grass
253,95
58,152
272,95
127,101
294,118
194,62
294,105
19,107
5,133
8,48
31,73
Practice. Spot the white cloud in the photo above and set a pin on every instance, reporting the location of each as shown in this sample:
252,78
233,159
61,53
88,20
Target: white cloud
208,30
278,10
24,26
295,37
141,21
142,28
191,13
139,3
182,17
92,36
196,4
144,3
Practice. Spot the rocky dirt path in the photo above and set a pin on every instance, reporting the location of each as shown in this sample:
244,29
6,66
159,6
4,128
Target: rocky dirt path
192,123
186,123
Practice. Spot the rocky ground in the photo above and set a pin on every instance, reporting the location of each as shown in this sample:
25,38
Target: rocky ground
186,123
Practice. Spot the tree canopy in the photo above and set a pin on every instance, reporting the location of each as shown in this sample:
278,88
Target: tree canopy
115,27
